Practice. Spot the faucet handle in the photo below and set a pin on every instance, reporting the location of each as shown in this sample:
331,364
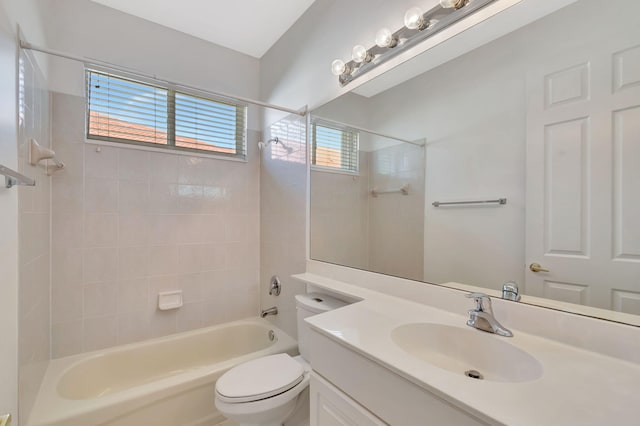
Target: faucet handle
510,291
483,301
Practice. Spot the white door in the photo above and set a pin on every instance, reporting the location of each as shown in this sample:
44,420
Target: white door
583,176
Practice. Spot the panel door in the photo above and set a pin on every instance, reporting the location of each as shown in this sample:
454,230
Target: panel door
583,177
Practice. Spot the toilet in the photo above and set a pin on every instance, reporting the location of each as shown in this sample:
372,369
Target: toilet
270,390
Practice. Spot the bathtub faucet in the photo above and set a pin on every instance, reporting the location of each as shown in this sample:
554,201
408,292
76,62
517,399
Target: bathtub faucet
270,311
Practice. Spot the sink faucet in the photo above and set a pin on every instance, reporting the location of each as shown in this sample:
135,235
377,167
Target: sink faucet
270,311
482,316
510,291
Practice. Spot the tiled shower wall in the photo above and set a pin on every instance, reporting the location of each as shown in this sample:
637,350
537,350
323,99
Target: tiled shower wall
129,223
33,234
283,181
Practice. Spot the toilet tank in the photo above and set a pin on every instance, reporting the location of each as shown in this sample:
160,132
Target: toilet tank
312,304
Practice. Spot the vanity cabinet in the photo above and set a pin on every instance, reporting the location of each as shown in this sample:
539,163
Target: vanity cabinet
330,406
346,384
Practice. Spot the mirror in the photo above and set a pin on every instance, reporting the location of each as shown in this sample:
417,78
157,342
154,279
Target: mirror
546,117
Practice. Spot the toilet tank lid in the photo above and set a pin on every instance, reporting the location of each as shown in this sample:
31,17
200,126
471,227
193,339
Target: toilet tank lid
318,302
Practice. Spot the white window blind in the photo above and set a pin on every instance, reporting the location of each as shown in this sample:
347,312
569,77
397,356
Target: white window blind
204,123
335,148
125,110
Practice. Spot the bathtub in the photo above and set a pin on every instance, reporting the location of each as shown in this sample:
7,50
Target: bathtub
167,381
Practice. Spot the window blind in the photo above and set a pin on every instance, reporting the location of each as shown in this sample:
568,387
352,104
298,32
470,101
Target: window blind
209,125
126,110
335,148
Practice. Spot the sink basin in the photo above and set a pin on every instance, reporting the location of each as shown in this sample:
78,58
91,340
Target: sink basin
477,354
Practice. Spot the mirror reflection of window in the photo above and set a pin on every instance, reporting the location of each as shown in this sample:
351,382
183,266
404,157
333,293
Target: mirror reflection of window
335,148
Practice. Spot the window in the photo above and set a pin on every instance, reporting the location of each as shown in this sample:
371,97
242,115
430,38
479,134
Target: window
335,148
154,114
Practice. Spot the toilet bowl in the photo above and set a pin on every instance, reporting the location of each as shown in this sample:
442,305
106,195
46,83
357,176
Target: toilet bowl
268,390
264,391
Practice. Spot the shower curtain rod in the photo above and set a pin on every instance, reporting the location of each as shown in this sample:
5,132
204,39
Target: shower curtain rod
87,61
362,129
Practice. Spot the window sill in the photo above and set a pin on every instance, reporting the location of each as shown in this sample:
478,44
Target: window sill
335,171
165,150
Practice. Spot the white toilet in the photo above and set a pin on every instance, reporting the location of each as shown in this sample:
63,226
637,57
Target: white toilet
267,391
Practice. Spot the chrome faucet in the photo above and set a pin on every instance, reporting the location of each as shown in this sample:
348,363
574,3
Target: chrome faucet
270,311
510,291
482,316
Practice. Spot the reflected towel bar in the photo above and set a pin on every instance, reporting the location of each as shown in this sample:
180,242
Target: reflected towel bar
404,190
457,203
12,178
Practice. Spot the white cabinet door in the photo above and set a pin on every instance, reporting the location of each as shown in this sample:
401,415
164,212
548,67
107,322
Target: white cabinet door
583,176
331,407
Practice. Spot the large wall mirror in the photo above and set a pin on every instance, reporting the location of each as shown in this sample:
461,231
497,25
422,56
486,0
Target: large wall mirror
546,119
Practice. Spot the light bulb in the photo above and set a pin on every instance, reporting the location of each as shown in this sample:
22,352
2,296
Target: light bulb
359,54
450,4
384,38
414,19
338,67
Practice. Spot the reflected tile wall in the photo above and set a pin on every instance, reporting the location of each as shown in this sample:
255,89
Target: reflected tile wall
397,220
128,224
33,234
283,180
383,234
340,216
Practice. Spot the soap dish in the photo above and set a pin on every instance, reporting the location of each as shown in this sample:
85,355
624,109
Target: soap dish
168,300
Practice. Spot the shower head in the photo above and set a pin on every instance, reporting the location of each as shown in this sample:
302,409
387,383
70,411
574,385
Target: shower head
276,141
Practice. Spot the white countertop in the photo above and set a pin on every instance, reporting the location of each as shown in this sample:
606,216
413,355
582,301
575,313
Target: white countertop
577,387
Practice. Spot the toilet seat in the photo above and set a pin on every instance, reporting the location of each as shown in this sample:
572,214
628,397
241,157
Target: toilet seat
259,379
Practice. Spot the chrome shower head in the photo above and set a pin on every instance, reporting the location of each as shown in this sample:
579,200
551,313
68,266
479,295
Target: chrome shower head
276,141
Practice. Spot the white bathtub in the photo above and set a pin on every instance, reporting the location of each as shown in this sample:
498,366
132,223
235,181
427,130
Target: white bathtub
168,381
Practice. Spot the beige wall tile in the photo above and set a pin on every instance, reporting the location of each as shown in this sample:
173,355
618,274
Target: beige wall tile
128,224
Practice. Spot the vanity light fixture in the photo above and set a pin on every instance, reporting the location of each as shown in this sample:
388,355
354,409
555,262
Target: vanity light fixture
385,38
418,26
414,19
359,54
455,4
338,67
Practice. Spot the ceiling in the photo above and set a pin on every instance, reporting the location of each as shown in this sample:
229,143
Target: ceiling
247,26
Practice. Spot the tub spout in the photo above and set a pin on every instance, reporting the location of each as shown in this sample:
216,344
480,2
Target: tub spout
270,311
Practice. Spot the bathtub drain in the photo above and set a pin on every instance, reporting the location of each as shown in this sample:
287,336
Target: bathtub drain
272,335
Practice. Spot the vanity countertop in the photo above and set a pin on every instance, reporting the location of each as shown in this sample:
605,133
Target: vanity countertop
577,387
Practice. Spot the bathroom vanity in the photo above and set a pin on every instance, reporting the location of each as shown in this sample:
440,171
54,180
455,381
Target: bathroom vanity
387,360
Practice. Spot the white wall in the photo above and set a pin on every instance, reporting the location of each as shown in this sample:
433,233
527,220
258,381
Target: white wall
88,29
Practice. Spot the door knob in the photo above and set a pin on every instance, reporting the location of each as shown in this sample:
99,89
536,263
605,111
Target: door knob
536,267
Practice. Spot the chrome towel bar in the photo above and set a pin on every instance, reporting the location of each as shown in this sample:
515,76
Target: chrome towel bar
404,190
459,203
